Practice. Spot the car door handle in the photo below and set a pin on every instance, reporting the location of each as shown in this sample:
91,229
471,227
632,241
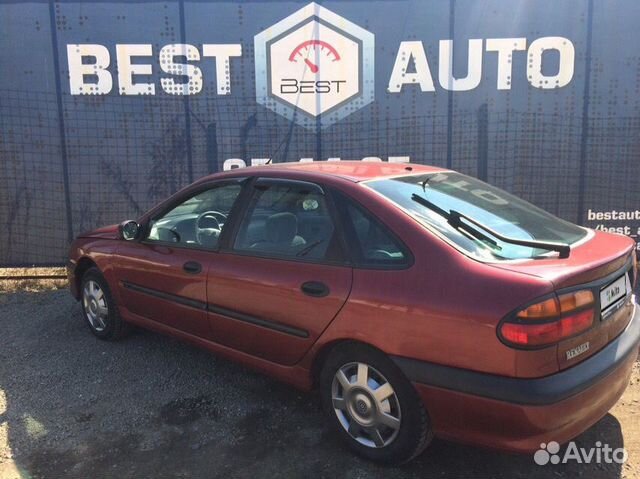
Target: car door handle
315,289
192,267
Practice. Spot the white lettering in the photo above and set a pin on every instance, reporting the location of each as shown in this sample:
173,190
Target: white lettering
259,161
399,159
127,70
98,68
474,66
222,54
233,163
421,76
168,54
505,48
567,54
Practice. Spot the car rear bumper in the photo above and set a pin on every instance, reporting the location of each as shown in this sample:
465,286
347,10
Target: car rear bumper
519,414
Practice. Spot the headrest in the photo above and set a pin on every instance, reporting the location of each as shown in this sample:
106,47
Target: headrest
281,227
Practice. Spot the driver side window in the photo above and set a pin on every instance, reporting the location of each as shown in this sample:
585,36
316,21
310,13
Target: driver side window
197,222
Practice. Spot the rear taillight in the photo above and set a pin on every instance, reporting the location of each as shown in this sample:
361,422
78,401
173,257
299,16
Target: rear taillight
549,321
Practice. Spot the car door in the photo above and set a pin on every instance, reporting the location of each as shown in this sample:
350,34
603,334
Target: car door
282,277
163,276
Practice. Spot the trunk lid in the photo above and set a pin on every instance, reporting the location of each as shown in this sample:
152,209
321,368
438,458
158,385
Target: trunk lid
603,263
598,256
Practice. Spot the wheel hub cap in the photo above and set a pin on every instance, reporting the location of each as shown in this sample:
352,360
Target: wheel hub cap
361,407
366,404
95,305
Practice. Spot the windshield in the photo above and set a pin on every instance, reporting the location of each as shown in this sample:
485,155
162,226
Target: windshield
492,207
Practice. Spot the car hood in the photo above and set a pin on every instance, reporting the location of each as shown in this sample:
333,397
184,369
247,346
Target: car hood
597,257
106,232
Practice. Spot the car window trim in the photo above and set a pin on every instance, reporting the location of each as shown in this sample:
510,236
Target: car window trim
227,237
302,183
294,259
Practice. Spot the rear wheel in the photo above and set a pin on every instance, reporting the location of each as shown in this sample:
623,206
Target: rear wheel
99,307
372,406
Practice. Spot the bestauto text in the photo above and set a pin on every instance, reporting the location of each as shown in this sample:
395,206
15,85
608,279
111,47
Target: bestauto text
89,66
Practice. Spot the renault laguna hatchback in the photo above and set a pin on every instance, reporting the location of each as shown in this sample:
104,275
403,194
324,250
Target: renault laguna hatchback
418,301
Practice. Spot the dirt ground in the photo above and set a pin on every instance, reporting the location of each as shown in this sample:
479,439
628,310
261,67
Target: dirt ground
31,285
150,406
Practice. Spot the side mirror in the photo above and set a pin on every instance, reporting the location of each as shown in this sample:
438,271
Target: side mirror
129,230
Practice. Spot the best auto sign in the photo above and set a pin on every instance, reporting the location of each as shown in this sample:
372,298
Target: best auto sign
313,67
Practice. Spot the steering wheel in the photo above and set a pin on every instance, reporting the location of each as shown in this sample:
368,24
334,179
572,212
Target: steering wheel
203,232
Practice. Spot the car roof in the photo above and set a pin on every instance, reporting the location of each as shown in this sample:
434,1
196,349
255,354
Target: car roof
355,171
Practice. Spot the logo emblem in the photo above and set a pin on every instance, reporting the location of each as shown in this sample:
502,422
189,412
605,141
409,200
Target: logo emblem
577,351
548,453
314,67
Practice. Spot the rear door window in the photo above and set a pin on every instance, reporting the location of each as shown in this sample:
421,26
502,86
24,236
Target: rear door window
289,219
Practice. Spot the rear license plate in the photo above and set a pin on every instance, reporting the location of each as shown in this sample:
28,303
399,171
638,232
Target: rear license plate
614,292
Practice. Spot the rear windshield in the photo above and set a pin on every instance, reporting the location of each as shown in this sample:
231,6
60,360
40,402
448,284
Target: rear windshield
494,208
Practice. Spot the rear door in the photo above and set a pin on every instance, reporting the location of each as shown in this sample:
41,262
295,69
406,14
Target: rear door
163,277
283,276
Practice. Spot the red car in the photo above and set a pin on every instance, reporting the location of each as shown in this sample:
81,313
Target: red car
418,300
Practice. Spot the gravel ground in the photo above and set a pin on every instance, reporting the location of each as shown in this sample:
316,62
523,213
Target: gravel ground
150,406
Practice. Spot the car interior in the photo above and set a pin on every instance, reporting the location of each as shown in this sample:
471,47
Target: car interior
289,221
199,220
282,219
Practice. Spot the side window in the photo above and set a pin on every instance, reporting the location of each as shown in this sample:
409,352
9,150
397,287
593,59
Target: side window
288,219
198,221
371,242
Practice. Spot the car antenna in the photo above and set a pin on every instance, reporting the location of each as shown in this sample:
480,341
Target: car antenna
424,184
268,161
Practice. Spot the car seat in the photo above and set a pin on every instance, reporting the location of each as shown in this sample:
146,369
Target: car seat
281,234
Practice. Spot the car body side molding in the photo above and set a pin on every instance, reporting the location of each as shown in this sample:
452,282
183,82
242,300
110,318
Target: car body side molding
166,296
236,315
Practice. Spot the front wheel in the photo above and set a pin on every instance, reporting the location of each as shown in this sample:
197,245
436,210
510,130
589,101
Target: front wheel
99,307
372,406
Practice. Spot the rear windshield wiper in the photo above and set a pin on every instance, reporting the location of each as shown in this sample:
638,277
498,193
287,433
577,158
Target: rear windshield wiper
454,221
454,218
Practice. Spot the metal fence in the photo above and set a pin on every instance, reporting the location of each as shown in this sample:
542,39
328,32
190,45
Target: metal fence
122,157
70,163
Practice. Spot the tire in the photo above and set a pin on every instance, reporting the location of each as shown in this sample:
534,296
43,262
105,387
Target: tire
99,308
405,430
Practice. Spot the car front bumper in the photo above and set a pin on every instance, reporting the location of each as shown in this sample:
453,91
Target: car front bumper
519,414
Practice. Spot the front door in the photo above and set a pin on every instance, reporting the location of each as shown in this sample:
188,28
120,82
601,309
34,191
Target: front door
163,277
283,278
